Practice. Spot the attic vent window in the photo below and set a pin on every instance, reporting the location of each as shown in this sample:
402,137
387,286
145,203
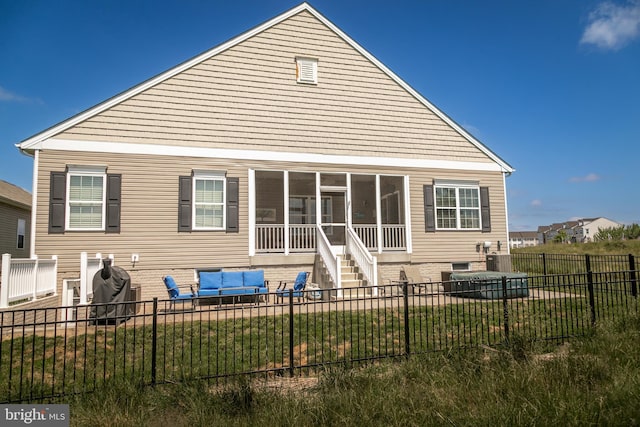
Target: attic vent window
307,70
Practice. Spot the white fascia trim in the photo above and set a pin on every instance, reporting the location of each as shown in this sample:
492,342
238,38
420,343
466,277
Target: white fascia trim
30,143
276,156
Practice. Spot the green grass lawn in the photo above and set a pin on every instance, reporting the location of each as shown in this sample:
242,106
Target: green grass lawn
594,380
614,247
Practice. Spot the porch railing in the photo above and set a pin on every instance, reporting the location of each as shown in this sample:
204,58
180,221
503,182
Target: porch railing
394,236
367,263
88,268
27,279
302,237
271,238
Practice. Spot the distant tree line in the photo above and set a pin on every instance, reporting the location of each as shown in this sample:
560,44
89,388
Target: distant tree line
623,232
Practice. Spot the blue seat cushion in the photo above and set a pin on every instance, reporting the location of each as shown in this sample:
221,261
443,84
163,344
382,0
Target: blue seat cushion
172,286
285,293
253,278
208,292
210,280
238,291
232,279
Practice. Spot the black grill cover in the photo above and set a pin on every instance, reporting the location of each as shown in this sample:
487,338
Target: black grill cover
111,292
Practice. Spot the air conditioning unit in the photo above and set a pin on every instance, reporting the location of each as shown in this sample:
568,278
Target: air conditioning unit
500,263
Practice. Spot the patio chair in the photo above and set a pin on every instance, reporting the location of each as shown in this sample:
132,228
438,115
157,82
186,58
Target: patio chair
411,275
385,282
174,293
298,287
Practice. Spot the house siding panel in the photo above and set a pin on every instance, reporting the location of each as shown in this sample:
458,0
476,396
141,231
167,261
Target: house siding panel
247,97
149,214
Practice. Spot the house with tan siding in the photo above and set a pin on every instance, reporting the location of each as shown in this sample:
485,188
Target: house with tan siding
287,148
15,220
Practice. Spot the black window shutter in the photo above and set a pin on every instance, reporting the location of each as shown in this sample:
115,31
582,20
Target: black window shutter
485,212
429,209
112,224
57,201
233,185
184,203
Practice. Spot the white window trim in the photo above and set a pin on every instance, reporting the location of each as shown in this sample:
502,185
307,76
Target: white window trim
209,176
22,222
313,62
73,170
460,264
457,186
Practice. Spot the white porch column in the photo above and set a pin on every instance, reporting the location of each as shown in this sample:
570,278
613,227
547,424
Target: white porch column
286,212
379,215
252,212
407,215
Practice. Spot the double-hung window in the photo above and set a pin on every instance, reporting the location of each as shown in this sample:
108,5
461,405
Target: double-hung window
457,206
86,198
209,201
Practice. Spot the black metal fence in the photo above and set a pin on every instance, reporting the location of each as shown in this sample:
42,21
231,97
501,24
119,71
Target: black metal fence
544,264
49,354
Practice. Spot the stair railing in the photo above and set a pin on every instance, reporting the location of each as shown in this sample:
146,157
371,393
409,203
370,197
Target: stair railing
331,261
367,263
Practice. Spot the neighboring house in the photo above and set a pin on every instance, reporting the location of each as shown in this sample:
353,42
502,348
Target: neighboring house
523,239
578,231
587,228
15,220
260,153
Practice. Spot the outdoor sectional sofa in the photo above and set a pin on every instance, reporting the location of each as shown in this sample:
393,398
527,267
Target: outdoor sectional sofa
234,284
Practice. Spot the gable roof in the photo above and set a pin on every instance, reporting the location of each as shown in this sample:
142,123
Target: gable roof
34,142
523,234
14,195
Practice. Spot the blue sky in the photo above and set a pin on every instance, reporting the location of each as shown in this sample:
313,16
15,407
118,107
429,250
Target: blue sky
553,87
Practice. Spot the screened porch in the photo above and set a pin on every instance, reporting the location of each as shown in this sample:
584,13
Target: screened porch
288,215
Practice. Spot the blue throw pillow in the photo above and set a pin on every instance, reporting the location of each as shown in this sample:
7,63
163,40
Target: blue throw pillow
211,280
253,278
232,279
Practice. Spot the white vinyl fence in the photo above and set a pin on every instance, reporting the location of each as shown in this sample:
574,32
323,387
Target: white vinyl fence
26,279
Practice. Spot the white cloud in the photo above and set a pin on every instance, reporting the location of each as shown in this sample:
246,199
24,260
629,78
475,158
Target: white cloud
612,26
536,203
7,96
592,177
